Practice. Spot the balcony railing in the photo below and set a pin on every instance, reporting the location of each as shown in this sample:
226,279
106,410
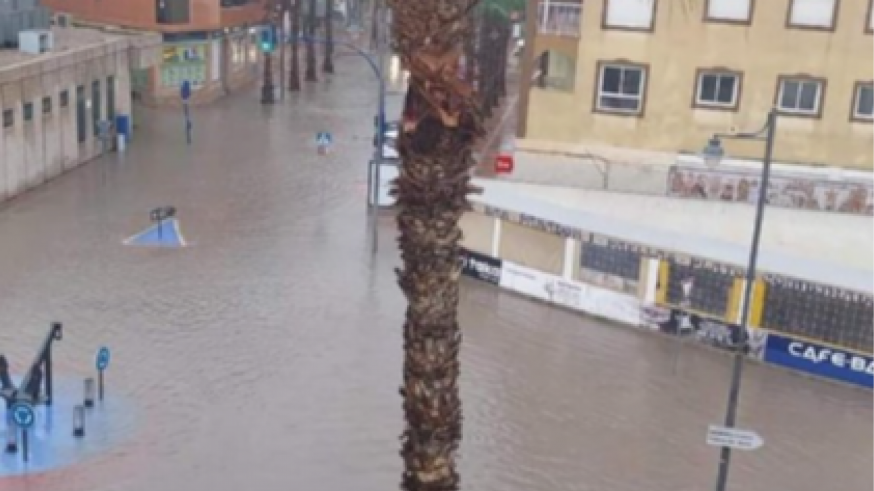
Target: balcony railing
559,18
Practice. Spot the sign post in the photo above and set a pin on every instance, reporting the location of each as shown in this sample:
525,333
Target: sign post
736,438
185,94
101,361
324,141
24,417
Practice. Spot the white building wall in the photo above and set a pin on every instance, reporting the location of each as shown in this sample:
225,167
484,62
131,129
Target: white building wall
35,151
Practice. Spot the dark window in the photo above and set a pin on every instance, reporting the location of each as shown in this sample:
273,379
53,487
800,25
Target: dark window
621,88
95,104
611,259
46,105
710,291
172,11
800,96
110,99
81,115
65,98
28,111
819,312
8,118
863,105
717,89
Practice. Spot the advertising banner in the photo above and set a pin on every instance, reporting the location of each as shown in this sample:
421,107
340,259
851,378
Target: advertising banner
571,294
183,62
788,191
824,361
479,266
524,280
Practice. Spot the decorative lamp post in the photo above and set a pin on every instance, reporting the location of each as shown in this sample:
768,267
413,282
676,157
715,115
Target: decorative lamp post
712,155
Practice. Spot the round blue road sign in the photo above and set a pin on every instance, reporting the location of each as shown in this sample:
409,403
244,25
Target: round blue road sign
102,359
22,414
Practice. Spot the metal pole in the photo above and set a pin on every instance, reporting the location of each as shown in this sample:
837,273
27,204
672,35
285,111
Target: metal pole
25,450
47,369
739,355
282,17
380,136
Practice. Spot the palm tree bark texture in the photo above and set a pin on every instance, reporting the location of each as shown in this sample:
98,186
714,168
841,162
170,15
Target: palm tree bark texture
440,123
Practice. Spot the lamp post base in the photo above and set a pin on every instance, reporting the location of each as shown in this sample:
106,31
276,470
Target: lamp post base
268,94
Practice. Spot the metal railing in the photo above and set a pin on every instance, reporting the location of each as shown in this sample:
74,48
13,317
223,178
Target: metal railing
559,18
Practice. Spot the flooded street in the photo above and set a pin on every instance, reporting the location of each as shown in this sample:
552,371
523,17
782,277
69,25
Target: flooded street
267,355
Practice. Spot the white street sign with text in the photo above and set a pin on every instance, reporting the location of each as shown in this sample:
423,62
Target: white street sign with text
720,436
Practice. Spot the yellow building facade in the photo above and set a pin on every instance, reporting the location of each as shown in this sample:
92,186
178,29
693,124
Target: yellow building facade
664,75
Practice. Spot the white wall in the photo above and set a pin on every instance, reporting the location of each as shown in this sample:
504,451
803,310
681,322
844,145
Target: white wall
32,152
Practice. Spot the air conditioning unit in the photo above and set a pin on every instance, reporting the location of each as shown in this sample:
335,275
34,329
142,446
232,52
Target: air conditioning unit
62,20
35,42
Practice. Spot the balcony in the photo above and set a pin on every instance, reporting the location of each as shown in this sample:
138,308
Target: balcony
559,18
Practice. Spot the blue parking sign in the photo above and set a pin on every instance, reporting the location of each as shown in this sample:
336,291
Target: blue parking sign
185,90
102,359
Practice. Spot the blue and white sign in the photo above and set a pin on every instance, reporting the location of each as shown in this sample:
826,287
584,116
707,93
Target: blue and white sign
102,359
324,139
22,414
824,361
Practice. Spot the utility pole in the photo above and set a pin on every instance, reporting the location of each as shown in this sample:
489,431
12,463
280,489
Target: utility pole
267,89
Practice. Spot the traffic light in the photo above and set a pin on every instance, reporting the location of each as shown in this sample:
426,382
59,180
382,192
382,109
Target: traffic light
268,39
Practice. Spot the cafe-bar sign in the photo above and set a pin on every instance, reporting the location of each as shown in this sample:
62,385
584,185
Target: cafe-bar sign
824,361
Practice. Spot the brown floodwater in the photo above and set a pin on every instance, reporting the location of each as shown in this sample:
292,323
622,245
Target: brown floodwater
267,355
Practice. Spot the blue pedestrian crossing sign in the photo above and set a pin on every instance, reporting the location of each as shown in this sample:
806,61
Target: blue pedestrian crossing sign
22,414
102,359
324,139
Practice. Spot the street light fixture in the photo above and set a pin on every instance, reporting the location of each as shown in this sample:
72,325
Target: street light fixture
713,152
712,155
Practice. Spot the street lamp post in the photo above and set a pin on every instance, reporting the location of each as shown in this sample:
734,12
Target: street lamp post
712,154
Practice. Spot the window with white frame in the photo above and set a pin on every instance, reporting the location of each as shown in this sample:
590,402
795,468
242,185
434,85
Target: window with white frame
729,10
812,13
717,89
621,88
863,102
800,96
629,14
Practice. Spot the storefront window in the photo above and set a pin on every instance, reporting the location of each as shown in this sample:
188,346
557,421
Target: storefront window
183,62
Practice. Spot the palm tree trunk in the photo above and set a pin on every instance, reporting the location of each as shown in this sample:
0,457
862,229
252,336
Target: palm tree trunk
440,124
294,70
328,64
310,73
